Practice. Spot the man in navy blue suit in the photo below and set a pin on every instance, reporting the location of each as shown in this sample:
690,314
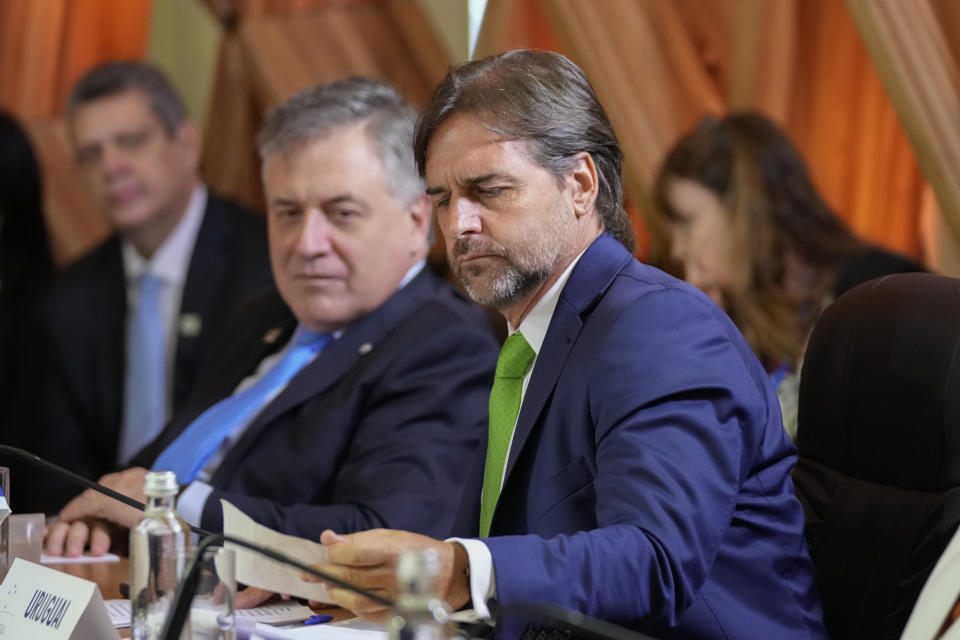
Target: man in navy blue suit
644,475
349,395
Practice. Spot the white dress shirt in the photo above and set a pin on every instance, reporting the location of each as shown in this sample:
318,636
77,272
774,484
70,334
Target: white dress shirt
483,585
169,263
937,598
192,501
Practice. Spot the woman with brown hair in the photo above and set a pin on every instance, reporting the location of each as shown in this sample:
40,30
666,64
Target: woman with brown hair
749,228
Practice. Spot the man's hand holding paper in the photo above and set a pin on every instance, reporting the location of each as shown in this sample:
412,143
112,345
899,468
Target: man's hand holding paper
368,559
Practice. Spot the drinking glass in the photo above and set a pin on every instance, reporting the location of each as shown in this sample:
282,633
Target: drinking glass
212,612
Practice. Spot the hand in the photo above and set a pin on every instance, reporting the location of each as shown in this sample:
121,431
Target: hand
69,538
369,560
86,519
253,597
91,504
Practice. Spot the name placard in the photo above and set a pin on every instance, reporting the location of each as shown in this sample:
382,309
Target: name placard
45,604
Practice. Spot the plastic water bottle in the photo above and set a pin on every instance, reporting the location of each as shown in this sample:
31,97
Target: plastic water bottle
421,615
157,555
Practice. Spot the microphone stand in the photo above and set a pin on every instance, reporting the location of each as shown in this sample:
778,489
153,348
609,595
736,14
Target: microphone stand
37,461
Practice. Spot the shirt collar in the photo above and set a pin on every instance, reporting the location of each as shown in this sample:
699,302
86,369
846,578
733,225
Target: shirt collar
412,273
171,260
534,326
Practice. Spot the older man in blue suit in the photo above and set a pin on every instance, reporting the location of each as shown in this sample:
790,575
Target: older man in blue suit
636,468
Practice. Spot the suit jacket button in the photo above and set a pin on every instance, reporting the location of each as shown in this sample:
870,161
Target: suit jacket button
190,325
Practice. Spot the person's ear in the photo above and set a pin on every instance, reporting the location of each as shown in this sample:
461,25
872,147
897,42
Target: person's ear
420,217
187,138
584,183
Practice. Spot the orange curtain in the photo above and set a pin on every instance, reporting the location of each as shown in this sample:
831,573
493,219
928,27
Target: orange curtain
844,123
45,45
915,49
659,66
266,58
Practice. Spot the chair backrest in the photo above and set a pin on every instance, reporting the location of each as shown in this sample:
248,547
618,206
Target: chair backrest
879,442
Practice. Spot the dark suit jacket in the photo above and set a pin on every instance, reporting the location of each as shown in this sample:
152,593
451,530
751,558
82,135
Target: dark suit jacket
82,326
373,433
648,481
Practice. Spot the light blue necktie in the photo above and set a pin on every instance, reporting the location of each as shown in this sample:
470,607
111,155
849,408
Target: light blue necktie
188,454
143,391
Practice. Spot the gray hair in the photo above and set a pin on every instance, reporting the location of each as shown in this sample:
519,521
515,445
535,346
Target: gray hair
114,78
545,99
314,113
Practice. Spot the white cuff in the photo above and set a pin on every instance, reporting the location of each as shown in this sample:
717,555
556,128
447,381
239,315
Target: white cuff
192,500
483,584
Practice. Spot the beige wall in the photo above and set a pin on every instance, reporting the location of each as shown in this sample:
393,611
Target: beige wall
184,41
450,19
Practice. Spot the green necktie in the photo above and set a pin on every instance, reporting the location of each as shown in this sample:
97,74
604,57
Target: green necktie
515,357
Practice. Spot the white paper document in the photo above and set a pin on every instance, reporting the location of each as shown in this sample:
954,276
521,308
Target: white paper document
256,570
84,559
272,613
353,629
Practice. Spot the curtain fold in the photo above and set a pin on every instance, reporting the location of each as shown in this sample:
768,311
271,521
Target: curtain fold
659,66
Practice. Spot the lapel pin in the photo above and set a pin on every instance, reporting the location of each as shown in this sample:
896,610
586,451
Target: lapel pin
365,348
271,336
190,325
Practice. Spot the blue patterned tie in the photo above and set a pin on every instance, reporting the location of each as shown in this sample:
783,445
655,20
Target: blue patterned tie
143,391
189,453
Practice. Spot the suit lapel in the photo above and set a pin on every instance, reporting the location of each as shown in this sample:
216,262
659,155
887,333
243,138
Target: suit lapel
207,267
358,341
598,266
205,275
331,365
561,336
111,294
267,336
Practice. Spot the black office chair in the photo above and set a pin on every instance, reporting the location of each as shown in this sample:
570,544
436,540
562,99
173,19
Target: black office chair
879,443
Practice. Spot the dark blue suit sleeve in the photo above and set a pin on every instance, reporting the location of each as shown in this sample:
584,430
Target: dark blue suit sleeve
674,409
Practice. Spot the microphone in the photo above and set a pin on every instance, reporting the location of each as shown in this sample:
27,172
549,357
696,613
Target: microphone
77,479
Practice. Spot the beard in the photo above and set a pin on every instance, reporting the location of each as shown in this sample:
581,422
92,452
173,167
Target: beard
511,274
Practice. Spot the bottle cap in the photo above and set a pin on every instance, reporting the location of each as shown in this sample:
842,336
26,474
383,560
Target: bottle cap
159,484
